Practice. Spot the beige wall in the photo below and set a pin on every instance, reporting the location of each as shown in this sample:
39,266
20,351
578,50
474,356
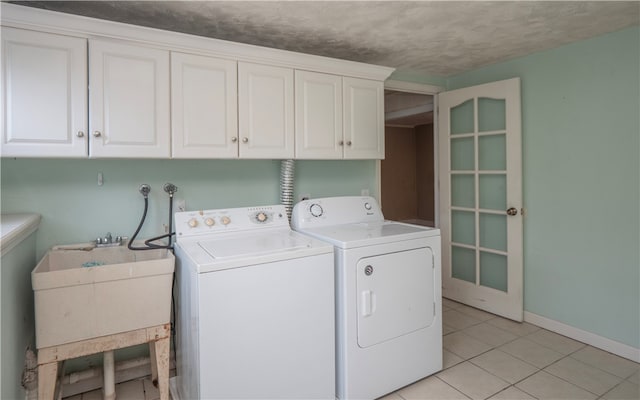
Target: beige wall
425,172
407,173
399,199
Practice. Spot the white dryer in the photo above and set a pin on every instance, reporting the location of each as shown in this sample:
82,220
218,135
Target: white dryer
256,307
388,294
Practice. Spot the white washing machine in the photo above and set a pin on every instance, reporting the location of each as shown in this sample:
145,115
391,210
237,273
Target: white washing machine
256,307
388,294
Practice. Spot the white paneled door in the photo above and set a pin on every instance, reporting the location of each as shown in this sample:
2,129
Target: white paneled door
363,118
43,106
204,107
318,115
481,197
128,101
265,111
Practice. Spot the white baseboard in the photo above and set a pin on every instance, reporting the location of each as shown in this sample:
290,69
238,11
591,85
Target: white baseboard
617,348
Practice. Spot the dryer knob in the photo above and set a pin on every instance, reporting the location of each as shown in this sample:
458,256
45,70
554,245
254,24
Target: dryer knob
316,210
210,221
193,222
225,220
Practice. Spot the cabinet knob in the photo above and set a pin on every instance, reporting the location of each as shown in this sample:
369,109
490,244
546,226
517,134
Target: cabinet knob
97,134
341,143
234,139
80,134
245,140
349,143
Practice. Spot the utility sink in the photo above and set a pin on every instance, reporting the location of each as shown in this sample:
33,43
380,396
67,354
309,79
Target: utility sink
83,292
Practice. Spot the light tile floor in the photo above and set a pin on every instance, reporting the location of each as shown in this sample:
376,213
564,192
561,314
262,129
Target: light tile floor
489,357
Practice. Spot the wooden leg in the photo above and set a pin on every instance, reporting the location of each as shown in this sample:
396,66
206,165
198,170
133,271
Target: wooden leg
160,353
154,365
47,377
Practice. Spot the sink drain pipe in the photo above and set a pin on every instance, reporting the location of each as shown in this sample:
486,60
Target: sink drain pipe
108,368
287,168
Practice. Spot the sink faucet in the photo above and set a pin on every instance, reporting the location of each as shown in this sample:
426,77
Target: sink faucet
109,240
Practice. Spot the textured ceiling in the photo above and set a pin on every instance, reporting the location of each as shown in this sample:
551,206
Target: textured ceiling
440,38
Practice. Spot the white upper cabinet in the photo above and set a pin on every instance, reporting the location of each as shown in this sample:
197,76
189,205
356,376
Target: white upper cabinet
89,87
204,107
338,117
265,111
44,94
129,101
363,118
318,119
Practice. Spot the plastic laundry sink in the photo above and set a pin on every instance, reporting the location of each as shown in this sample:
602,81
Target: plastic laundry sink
83,292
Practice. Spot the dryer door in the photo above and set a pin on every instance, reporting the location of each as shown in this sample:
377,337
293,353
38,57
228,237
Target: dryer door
395,295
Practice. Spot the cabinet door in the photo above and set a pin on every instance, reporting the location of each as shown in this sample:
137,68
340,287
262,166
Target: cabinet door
129,101
318,113
204,108
44,94
265,111
363,118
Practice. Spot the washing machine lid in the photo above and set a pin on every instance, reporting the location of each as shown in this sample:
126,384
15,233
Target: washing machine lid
254,244
218,252
370,233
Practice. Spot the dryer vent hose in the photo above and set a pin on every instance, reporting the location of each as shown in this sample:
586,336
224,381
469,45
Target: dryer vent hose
287,168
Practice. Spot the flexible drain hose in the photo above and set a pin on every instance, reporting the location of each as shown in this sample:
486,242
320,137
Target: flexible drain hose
287,168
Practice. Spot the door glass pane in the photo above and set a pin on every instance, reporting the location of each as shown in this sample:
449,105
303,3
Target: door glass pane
493,192
491,115
461,118
493,231
463,227
463,193
492,152
493,271
463,263
462,154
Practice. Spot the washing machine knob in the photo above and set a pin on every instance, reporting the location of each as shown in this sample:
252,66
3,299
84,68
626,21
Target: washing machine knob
367,206
316,210
225,220
209,221
193,222
261,217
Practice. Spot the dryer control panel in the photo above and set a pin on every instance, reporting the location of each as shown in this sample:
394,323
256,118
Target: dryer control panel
192,223
336,211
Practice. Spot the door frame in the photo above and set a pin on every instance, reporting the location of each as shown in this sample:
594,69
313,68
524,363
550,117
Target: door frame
430,90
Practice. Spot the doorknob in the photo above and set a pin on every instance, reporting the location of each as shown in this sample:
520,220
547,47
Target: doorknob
512,211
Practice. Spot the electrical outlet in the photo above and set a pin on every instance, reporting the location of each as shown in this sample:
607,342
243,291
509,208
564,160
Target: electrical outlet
181,204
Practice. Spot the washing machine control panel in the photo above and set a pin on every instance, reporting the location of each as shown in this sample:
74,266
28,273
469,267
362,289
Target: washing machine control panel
192,223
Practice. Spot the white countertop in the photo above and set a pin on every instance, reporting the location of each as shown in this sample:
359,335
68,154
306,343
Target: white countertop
14,228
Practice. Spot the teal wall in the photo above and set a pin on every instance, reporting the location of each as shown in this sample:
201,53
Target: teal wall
581,177
75,209
18,331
